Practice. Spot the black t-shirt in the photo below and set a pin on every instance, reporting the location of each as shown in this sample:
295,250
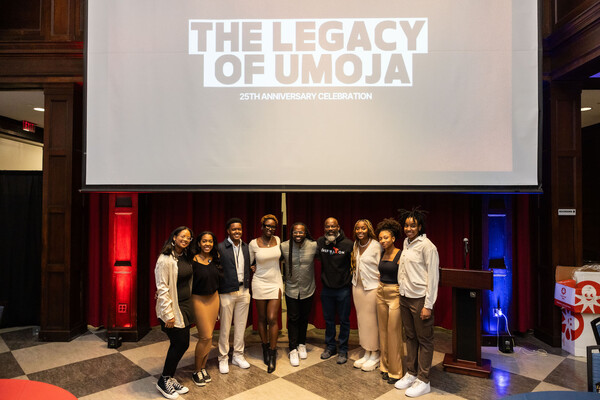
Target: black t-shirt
206,278
388,270
184,290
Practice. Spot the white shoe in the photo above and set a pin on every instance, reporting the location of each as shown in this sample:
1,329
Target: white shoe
405,382
418,388
224,366
240,361
372,362
294,358
359,363
302,351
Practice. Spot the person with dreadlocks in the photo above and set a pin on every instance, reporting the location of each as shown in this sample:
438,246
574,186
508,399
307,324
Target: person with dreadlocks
366,254
299,276
418,278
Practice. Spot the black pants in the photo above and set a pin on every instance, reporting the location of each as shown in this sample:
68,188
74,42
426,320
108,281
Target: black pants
180,341
297,313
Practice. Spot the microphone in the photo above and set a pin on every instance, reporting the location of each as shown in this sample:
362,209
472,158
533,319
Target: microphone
466,242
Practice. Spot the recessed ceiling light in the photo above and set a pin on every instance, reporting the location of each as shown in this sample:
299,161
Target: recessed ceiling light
586,108
38,109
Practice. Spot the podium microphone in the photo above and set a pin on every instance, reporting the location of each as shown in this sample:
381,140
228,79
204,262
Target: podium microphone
466,252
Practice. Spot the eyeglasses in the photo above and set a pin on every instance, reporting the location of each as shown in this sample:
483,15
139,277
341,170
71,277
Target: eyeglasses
270,227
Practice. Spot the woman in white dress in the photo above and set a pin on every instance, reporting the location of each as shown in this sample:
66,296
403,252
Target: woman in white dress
267,287
365,279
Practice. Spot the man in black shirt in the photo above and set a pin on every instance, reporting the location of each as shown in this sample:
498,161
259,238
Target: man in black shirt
335,250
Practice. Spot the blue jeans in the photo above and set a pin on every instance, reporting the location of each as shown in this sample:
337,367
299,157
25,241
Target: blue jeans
336,301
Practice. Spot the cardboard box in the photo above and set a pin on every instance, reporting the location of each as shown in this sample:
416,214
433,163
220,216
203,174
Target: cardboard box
578,293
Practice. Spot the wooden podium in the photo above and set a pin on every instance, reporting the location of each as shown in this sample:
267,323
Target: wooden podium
466,320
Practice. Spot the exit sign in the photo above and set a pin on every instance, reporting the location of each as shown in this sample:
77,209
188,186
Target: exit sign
28,126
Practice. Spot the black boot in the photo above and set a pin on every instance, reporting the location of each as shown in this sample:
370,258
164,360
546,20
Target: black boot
272,360
266,353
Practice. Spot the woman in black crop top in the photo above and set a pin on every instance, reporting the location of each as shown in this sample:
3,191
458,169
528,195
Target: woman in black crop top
388,303
205,297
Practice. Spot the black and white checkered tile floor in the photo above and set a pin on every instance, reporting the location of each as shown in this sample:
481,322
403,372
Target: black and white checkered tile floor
90,370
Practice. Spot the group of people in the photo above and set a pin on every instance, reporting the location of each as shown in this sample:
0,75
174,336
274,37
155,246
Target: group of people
393,289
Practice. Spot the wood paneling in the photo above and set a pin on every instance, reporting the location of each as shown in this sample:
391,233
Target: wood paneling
41,20
572,45
62,208
559,242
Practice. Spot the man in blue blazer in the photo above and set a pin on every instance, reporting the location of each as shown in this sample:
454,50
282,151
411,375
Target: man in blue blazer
234,294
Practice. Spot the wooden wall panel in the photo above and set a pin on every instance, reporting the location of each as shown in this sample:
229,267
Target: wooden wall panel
63,227
21,20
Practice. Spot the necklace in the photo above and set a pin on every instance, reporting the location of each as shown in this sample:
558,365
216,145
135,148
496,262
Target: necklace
265,243
364,245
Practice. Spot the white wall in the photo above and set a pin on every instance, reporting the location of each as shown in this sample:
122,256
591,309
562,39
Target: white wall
20,156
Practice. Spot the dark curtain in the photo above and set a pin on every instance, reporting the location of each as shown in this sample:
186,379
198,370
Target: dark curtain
449,221
20,244
447,224
163,213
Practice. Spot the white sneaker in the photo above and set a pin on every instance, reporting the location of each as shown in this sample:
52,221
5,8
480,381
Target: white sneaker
406,381
294,358
240,361
359,363
302,351
418,388
224,366
372,362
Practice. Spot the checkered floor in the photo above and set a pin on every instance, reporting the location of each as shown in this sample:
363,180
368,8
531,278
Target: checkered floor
90,370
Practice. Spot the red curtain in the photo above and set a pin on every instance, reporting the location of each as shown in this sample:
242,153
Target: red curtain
448,222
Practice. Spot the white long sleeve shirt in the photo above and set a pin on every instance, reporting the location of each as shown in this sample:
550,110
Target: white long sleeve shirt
167,305
367,266
418,272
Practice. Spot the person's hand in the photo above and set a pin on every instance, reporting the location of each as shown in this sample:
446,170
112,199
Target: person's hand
253,268
425,313
170,323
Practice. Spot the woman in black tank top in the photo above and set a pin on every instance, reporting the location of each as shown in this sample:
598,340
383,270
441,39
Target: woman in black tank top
388,303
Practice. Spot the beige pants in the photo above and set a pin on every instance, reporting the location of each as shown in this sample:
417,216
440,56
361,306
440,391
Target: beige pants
206,309
234,308
390,329
365,302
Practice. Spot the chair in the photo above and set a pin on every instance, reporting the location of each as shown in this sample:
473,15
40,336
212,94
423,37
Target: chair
593,368
596,329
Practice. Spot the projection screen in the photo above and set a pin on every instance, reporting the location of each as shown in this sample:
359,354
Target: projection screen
311,95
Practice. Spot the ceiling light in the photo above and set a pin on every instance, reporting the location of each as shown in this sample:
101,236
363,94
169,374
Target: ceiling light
38,109
586,108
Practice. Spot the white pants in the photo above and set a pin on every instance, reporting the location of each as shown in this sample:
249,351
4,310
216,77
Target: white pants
234,307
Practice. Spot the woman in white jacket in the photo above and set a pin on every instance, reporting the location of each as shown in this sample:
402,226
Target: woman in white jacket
174,307
365,279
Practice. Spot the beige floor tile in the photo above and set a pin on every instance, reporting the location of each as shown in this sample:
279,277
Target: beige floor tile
55,354
24,377
434,394
277,389
548,387
533,365
151,358
142,389
254,357
3,347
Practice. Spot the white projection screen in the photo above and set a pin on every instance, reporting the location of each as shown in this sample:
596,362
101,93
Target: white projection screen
312,95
